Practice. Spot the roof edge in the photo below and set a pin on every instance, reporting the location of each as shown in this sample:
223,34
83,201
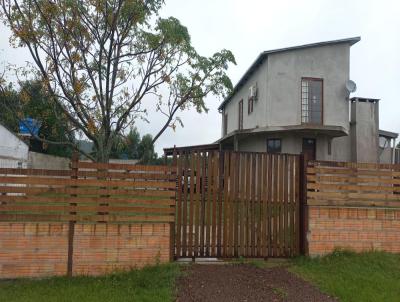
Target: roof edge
263,55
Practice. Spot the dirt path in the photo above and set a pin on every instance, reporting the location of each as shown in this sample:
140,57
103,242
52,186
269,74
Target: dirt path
245,283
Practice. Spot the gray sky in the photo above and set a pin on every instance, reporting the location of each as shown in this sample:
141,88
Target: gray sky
250,27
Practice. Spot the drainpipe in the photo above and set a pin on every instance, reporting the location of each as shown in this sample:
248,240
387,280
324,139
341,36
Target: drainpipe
394,151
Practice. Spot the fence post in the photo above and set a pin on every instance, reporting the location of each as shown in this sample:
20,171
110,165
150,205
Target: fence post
303,205
71,230
172,224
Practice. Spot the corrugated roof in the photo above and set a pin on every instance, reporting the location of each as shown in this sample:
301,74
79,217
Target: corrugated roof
265,54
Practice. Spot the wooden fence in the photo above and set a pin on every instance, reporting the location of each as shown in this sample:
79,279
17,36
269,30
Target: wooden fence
93,193
232,204
89,192
353,184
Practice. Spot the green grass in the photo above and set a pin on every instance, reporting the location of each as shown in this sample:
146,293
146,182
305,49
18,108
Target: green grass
372,276
150,284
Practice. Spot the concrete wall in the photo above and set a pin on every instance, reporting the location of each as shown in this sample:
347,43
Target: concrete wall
41,249
291,143
364,132
285,70
13,151
386,151
259,115
46,161
278,80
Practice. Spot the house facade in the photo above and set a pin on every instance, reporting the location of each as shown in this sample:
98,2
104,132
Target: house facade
13,151
295,100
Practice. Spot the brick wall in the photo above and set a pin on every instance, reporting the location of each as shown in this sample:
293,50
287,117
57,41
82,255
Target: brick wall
41,249
358,229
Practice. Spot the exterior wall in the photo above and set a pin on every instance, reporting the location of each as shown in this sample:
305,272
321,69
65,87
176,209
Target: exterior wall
358,229
259,115
292,143
13,151
364,132
278,80
341,149
385,155
285,70
46,161
41,249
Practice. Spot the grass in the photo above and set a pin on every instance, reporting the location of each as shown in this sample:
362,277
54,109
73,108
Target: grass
150,284
371,276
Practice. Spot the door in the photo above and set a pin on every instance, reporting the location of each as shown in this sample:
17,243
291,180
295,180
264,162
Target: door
309,147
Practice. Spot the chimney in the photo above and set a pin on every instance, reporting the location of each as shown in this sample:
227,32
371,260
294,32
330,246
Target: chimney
364,130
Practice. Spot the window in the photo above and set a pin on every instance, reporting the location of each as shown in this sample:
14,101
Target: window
329,146
241,115
274,145
225,123
250,105
311,100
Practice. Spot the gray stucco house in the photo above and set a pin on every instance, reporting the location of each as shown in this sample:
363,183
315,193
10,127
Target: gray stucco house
294,100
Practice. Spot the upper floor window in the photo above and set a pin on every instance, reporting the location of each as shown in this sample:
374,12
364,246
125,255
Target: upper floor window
311,100
241,114
250,105
274,145
225,123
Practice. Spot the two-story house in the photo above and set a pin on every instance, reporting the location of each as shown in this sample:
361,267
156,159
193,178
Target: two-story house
295,100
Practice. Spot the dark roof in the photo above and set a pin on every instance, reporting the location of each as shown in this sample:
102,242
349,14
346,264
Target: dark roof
208,147
367,100
388,134
265,54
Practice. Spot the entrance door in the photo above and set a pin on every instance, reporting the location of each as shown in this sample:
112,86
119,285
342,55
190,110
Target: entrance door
309,147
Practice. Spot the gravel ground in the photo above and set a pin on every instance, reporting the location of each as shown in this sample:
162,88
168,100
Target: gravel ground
240,282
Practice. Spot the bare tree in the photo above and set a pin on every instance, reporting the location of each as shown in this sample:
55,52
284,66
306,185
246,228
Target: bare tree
105,61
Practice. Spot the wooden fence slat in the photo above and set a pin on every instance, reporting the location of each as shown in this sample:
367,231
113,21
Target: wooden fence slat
253,189
285,206
62,209
191,203
84,218
209,202
124,167
197,203
214,204
227,184
235,211
260,198
11,199
179,201
185,203
85,182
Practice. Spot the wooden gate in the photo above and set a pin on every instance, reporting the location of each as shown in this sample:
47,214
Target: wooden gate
237,204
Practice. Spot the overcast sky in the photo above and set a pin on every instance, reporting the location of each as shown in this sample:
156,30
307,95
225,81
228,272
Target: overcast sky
250,27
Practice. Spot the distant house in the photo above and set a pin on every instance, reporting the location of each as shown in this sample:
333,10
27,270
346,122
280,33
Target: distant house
295,100
13,151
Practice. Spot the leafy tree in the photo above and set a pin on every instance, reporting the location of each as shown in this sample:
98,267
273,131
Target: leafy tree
32,101
146,150
132,142
104,62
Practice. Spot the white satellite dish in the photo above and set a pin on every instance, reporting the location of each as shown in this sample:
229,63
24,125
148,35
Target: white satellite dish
351,86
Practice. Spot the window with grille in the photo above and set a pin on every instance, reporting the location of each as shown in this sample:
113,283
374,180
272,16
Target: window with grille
241,115
250,105
311,100
225,123
274,145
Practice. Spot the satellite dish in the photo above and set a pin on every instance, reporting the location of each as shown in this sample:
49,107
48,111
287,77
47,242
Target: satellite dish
351,86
